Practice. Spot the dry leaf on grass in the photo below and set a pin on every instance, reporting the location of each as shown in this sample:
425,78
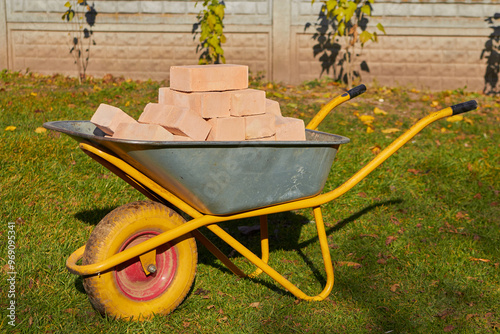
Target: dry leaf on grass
378,111
391,130
349,264
255,304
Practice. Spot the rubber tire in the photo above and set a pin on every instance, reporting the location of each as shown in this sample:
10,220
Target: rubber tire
110,235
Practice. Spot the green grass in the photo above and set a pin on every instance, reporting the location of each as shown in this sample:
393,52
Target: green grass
424,228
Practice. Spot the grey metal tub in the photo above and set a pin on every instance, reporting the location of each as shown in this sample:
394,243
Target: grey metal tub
222,178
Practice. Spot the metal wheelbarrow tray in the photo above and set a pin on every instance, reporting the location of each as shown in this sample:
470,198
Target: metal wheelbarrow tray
223,177
140,260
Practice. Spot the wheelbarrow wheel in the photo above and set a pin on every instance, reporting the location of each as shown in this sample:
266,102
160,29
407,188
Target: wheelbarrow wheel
125,291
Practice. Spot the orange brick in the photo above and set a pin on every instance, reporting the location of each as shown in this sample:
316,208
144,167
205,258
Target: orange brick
259,126
139,131
206,104
248,102
165,95
181,138
227,129
290,129
273,107
270,138
208,78
108,117
179,121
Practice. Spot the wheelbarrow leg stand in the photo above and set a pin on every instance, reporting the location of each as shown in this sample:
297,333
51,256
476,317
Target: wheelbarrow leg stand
264,267
226,261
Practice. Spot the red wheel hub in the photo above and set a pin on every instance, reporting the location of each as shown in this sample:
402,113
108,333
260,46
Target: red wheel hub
133,281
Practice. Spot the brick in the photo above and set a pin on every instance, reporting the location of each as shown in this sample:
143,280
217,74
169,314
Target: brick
227,129
108,117
206,104
182,138
207,78
179,121
273,107
247,102
139,131
259,126
270,138
289,128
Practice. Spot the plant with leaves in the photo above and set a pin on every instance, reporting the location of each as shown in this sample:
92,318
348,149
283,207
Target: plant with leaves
341,29
210,22
81,16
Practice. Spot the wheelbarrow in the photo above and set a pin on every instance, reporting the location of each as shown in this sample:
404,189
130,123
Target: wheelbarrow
141,259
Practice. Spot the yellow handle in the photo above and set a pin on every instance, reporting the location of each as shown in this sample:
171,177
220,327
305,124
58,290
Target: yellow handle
320,116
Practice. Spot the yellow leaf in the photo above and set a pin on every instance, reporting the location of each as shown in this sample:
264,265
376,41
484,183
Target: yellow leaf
40,130
366,119
97,88
468,120
127,103
354,104
425,98
375,149
413,90
378,111
443,130
369,129
349,264
456,118
33,94
10,128
434,104
480,260
391,130
356,113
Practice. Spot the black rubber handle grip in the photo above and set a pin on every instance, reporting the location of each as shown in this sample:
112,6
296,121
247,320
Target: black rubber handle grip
464,107
358,90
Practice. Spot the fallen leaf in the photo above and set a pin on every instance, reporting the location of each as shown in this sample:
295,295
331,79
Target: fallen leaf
201,292
435,104
390,239
349,264
413,171
478,196
224,319
456,118
449,328
381,261
425,98
375,149
391,130
468,120
366,119
354,104
10,128
186,324
394,287
209,307
362,194
378,111
255,304
470,316
479,260
33,94
40,130
369,129
413,90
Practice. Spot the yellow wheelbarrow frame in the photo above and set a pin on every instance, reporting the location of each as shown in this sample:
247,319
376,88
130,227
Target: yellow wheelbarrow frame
152,190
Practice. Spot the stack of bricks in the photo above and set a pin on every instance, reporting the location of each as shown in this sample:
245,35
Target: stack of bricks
204,103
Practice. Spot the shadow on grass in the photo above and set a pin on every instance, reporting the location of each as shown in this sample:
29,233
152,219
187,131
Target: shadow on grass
284,233
94,216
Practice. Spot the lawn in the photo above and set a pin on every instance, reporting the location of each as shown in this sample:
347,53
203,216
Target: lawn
415,245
